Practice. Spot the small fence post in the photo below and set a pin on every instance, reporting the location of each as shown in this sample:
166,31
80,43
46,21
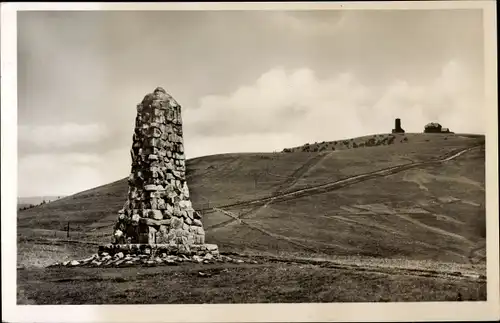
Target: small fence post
67,231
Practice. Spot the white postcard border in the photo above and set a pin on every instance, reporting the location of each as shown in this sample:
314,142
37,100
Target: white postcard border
466,311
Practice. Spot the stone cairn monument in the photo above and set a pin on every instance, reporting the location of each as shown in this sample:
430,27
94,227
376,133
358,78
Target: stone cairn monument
157,224
158,214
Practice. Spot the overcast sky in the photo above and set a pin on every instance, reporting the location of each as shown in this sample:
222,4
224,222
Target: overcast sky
247,81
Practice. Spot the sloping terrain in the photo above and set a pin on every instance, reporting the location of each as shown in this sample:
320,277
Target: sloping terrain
33,201
372,141
36,199
391,222
246,283
432,211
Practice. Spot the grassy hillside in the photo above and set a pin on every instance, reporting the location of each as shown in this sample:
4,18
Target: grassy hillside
373,141
434,212
36,199
262,283
33,201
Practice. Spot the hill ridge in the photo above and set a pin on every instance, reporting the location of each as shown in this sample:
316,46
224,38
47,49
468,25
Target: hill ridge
402,167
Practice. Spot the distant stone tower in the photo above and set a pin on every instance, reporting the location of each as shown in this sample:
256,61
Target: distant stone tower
158,209
397,127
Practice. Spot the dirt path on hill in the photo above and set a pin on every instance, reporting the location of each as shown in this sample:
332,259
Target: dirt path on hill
335,185
287,184
322,188
434,229
239,220
394,267
299,172
273,235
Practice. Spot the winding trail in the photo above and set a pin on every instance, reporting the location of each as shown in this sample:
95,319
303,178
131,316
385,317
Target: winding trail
335,185
393,267
434,229
323,188
301,171
273,235
288,183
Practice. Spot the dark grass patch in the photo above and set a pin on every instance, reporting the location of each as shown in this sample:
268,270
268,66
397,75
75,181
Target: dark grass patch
270,283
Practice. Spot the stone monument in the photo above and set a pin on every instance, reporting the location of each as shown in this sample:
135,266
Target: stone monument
158,213
397,127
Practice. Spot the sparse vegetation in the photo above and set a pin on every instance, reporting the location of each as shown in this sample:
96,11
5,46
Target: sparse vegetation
27,207
266,283
27,203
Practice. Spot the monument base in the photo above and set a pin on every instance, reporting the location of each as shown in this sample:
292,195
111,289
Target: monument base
125,255
159,249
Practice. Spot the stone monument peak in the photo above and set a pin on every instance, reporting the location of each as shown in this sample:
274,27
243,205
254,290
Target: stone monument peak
158,209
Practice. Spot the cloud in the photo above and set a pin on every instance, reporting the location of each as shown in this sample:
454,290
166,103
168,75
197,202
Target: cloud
244,143
279,101
453,98
310,22
69,173
297,104
59,136
282,108
362,68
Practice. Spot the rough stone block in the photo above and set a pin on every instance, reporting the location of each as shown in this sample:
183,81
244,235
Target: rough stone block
153,222
199,239
176,222
152,235
155,214
150,187
161,204
211,247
